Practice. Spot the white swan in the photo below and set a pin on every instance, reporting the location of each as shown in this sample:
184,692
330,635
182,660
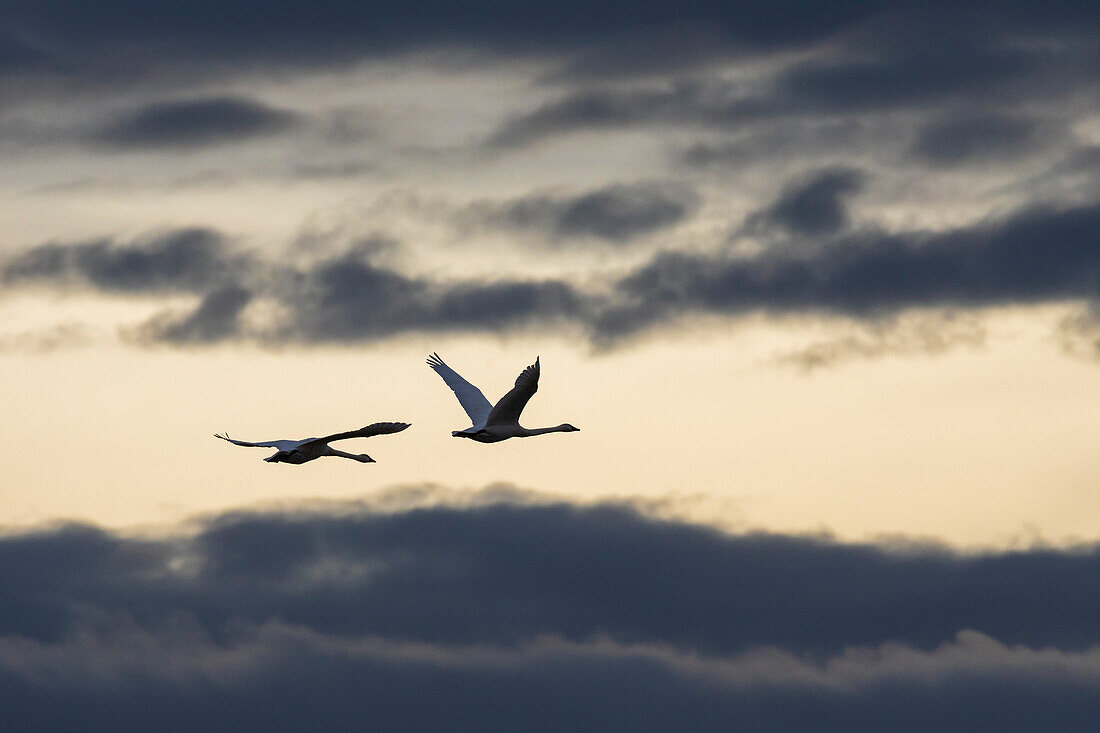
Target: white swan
303,451
492,424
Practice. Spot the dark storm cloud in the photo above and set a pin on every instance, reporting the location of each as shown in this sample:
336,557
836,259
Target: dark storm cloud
179,260
616,213
815,206
1037,255
590,618
503,573
194,123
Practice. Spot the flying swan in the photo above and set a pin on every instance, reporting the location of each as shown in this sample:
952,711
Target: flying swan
492,424
303,451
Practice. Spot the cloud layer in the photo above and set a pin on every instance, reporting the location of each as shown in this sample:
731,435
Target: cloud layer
1034,256
564,615
863,160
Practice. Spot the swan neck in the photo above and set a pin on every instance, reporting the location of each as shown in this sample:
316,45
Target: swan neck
341,454
542,431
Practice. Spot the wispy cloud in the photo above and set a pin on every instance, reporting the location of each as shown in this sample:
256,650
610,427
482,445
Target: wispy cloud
194,123
617,213
909,334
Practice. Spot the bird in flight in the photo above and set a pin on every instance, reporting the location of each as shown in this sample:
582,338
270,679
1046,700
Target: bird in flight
494,423
303,451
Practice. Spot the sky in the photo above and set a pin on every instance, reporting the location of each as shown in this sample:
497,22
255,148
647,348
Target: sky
819,284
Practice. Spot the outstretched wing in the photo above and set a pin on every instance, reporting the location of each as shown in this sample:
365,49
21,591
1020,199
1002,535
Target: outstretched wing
279,444
378,428
469,396
509,407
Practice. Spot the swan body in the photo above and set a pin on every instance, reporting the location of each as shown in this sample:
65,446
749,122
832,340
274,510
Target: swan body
298,452
494,423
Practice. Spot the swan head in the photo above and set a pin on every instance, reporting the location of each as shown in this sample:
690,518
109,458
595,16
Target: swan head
364,458
567,428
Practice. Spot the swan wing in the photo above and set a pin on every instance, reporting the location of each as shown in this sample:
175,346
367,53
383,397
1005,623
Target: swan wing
378,428
509,407
469,396
279,444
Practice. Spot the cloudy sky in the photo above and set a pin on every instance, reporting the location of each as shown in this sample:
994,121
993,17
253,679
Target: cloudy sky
819,283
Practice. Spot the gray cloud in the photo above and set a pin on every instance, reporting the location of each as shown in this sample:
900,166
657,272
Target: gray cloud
349,298
914,62
189,259
913,75
566,615
343,297
655,50
106,39
128,679
616,213
194,123
814,206
963,139
681,103
1036,255
215,318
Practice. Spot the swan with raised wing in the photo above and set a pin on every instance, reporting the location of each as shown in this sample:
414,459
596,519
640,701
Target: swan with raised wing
303,451
494,423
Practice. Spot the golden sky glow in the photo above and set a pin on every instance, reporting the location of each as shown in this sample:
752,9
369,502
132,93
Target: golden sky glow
980,446
974,427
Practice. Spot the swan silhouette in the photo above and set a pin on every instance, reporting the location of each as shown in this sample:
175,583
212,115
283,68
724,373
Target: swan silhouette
492,424
303,451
